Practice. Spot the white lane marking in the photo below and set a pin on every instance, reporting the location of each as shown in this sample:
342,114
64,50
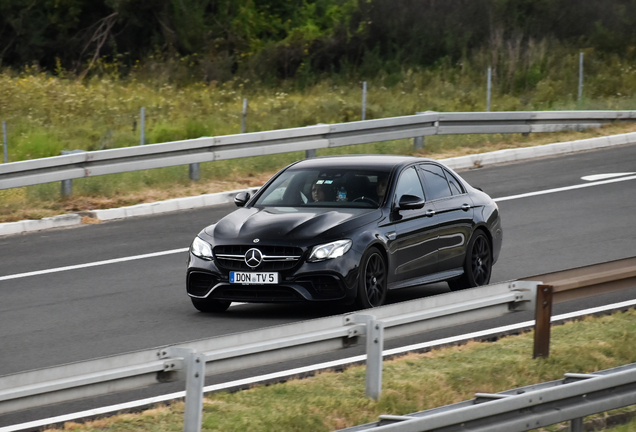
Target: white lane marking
93,264
595,177
173,251
297,371
566,188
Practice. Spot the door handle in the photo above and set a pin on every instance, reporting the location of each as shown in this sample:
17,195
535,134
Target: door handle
429,213
466,207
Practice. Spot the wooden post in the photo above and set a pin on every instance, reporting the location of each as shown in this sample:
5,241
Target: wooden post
542,315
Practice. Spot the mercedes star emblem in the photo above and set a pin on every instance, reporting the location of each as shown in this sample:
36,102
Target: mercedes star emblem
253,258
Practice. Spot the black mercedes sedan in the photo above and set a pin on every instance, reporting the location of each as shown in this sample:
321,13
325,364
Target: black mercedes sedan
346,229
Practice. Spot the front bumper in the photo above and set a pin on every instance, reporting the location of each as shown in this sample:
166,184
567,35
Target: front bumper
329,280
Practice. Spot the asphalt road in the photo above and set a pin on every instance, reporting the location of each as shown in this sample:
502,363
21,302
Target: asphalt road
83,313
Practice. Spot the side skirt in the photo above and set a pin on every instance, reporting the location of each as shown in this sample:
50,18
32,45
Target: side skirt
431,278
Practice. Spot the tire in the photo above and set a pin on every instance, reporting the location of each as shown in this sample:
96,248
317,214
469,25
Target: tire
477,264
210,305
372,287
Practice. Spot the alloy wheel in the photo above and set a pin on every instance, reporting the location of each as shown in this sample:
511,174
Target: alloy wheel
481,257
375,280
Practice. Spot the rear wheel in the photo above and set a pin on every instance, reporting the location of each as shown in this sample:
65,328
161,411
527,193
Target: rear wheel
210,305
477,264
372,280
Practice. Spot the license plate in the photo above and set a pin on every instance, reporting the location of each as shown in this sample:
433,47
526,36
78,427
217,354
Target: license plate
253,278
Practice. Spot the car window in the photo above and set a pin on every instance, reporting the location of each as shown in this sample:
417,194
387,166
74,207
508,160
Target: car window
276,193
328,187
409,184
455,185
436,184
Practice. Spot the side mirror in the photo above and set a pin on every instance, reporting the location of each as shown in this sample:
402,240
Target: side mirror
410,202
241,199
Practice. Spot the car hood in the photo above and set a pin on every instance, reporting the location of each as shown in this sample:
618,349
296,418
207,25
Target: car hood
289,223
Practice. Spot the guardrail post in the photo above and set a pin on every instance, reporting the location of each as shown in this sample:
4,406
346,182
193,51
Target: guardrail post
194,368
374,331
576,425
66,186
542,315
418,143
195,172
5,145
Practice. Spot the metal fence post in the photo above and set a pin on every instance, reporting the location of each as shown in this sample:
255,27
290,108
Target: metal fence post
142,126
194,369
66,186
243,128
5,145
576,425
374,332
488,89
194,172
418,143
580,77
542,315
193,414
364,100
375,344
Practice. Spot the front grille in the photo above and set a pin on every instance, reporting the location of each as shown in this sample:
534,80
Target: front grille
199,284
275,258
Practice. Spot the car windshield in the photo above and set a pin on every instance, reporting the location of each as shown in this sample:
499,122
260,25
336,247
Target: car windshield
327,187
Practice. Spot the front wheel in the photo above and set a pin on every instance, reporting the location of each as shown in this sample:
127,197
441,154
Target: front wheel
210,305
371,280
477,264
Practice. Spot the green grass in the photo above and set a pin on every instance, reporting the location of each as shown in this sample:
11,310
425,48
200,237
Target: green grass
411,383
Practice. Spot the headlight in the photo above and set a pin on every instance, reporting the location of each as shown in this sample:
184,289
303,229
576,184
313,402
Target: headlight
330,250
201,249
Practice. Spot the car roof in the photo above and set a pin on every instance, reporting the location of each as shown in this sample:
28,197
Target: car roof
359,161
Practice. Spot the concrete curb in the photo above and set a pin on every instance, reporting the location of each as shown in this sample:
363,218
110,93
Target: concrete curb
520,154
461,162
170,205
40,224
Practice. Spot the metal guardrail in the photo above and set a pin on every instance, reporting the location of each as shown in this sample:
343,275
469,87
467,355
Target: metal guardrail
207,149
525,408
193,360
260,347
